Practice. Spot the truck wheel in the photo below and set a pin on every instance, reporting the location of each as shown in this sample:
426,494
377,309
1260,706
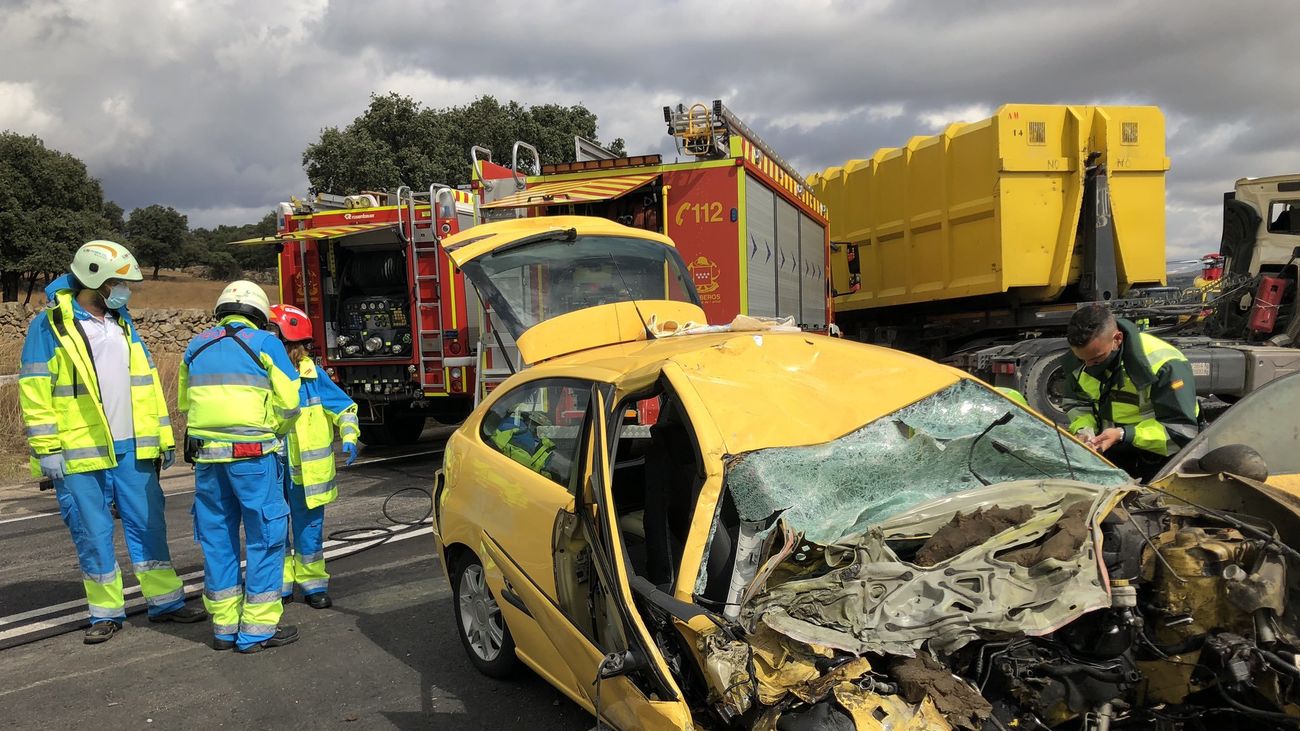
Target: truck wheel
1046,388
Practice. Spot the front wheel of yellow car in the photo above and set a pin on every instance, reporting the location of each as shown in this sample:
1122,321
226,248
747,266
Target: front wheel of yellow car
483,630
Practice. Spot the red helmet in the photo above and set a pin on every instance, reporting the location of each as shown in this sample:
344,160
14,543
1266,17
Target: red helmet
293,322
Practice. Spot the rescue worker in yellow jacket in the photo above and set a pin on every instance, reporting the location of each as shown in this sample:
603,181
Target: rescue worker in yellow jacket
98,428
309,486
1133,396
240,392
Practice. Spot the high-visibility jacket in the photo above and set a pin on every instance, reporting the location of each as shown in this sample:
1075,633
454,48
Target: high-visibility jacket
1150,393
237,393
311,442
516,441
59,390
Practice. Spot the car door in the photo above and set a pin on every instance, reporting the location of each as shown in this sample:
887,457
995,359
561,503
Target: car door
582,648
520,494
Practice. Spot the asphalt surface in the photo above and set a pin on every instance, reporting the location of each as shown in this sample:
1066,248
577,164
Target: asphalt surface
386,655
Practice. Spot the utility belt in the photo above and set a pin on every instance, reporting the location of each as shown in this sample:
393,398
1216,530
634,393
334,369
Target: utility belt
210,450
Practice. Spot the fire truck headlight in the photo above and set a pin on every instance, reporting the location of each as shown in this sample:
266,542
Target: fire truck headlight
456,373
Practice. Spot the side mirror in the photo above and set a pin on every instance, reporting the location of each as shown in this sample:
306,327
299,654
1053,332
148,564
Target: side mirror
621,663
1238,459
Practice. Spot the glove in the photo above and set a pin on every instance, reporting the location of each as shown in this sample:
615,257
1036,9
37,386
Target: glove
52,466
350,451
168,458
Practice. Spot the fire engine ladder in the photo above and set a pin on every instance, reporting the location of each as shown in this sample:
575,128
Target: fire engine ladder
427,290
498,356
704,132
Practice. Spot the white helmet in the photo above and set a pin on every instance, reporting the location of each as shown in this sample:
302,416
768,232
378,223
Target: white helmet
99,261
244,298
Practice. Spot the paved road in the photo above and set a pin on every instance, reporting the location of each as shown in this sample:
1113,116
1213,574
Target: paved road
385,656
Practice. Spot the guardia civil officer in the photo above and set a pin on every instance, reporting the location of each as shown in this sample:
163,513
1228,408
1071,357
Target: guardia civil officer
1132,395
240,392
98,428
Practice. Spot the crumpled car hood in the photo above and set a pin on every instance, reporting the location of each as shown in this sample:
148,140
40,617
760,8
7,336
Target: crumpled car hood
872,600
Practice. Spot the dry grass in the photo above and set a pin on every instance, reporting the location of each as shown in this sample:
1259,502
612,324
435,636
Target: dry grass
10,353
179,290
13,442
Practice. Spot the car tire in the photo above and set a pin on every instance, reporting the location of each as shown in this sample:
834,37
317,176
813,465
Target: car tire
479,622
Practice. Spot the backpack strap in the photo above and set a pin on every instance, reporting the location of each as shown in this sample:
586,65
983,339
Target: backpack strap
232,333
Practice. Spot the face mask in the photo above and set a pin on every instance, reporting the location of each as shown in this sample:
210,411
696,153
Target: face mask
1107,365
117,297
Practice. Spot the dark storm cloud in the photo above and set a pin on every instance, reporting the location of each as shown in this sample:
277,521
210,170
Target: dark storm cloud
208,106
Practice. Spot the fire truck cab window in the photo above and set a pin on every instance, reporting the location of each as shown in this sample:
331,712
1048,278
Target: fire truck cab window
539,425
539,281
1284,217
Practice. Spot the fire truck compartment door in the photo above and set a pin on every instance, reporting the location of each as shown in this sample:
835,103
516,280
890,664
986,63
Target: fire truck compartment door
567,192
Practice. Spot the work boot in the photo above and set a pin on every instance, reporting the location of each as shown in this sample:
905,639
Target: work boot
221,645
184,615
319,601
283,636
101,631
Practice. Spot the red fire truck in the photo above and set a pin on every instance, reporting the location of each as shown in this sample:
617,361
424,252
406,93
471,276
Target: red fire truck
393,326
751,232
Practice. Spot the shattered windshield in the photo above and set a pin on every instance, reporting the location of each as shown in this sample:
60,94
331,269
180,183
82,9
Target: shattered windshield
918,453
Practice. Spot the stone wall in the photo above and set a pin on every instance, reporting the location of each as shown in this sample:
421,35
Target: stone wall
163,330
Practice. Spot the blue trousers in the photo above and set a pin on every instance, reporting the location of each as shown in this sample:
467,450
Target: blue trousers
304,552
226,494
84,500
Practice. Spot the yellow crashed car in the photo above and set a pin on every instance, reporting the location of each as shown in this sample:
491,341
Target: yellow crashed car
747,526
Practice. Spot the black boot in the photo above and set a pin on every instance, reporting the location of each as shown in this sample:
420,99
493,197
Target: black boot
318,601
101,631
283,636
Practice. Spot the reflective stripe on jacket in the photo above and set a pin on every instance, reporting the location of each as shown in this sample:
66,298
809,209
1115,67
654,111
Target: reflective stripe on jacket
59,391
229,397
311,442
1152,395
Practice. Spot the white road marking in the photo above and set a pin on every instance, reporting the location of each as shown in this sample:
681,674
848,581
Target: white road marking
342,550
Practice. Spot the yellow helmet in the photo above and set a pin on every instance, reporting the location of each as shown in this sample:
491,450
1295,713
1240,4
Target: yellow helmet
97,262
244,298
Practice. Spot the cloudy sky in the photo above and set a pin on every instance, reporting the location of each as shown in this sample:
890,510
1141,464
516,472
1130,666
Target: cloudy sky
207,106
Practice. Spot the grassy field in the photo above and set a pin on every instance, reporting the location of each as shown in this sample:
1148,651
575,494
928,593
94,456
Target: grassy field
179,290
